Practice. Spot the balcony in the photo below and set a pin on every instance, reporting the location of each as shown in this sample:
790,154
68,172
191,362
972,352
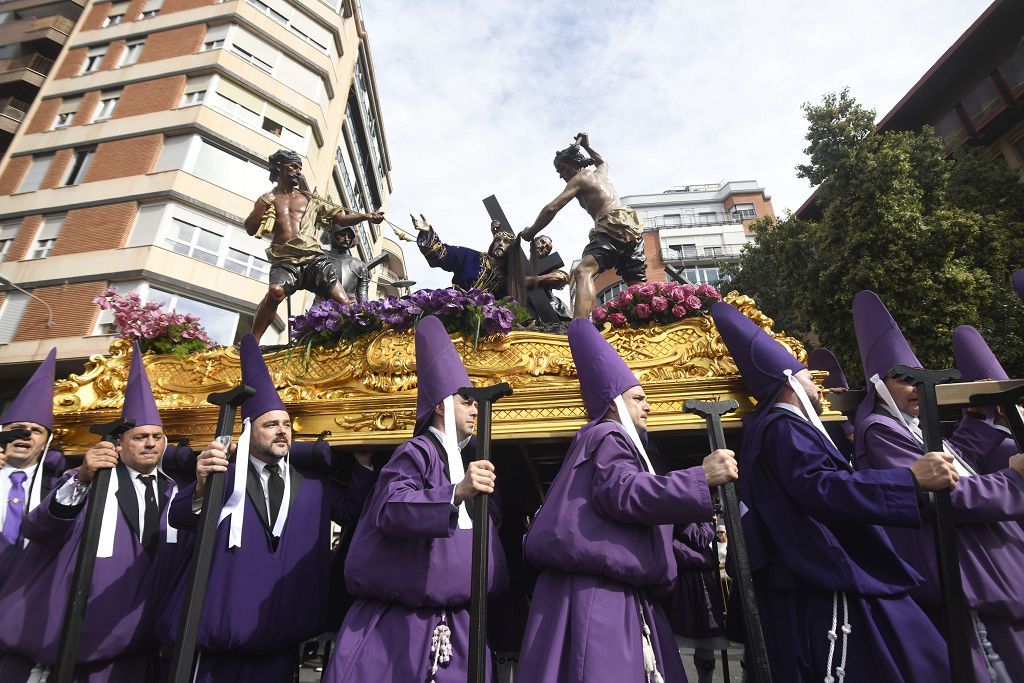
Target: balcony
12,113
31,69
701,219
54,28
695,256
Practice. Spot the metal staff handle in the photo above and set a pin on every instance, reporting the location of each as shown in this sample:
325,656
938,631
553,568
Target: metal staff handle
712,414
959,633
183,658
88,546
1007,400
478,668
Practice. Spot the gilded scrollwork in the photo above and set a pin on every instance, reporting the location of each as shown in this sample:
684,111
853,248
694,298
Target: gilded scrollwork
368,387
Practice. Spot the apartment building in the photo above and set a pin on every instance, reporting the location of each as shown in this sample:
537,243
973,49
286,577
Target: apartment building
146,147
694,229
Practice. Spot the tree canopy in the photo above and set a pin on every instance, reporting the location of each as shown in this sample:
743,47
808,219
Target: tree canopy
935,236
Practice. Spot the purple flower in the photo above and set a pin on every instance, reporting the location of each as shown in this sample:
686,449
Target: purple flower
643,311
645,290
599,315
617,319
708,292
679,311
678,295
659,304
694,303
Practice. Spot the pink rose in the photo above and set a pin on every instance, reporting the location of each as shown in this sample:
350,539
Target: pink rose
693,303
688,290
679,311
600,315
659,304
646,290
617,319
677,295
708,292
643,311
624,299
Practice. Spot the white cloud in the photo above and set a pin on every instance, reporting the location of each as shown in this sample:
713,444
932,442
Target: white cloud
476,97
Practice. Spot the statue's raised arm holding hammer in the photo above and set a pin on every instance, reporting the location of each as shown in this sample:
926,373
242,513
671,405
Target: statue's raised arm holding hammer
616,240
295,218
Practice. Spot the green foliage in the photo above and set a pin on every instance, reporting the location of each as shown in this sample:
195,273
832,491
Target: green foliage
935,237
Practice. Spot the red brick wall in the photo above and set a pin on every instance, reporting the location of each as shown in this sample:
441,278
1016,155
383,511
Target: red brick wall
179,5
74,313
61,159
86,108
72,63
14,174
763,207
122,158
150,96
25,237
45,115
96,15
174,43
95,228
112,56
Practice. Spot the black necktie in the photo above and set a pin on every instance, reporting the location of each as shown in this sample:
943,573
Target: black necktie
275,492
151,515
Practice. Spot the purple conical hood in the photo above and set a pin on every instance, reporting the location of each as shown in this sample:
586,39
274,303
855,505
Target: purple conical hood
1018,283
824,360
602,372
139,404
256,375
439,370
762,360
974,359
879,339
34,402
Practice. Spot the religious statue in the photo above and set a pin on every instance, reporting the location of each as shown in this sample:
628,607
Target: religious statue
616,240
546,281
493,272
294,217
353,272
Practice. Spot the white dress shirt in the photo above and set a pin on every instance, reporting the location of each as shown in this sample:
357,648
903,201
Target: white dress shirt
5,487
70,495
261,469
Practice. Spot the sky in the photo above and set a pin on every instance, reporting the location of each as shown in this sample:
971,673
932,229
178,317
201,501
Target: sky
477,96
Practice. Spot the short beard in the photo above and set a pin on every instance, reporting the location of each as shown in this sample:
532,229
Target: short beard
268,451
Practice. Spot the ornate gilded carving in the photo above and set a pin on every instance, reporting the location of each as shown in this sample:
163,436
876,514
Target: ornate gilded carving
368,389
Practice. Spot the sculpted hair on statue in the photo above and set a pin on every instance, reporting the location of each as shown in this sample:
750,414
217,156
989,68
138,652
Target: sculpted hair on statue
573,156
280,158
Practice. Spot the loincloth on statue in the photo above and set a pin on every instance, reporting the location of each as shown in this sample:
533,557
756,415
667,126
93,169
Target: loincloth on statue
621,224
316,274
627,258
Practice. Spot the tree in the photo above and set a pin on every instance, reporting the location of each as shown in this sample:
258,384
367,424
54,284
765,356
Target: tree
935,237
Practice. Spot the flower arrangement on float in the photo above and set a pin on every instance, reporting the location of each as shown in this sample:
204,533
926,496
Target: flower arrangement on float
656,303
473,313
155,329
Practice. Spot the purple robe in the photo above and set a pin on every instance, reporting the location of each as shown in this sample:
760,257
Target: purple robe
991,549
811,533
696,605
603,543
986,445
408,564
50,469
117,640
265,598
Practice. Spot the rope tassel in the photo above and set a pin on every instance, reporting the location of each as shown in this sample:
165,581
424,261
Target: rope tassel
650,660
440,646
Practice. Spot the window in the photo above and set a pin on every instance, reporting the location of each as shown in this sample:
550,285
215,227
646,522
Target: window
93,59
1013,71
8,231
66,113
36,172
195,90
46,238
10,315
191,240
610,292
701,276
215,36
983,102
228,169
712,251
744,211
131,53
108,103
78,166
684,250
252,59
151,8
950,129
220,324
707,217
249,265
238,103
116,13
273,12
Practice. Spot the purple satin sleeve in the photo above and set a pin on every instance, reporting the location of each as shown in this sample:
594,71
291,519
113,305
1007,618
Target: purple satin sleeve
408,509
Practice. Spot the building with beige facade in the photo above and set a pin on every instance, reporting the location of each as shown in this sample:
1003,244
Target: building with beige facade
146,147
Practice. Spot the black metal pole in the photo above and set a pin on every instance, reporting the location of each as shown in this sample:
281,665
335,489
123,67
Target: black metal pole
85,562
744,581
959,634
183,659
478,664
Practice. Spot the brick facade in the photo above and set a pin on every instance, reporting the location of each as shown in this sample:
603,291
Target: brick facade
150,96
95,227
14,174
58,167
25,237
124,158
72,63
174,43
762,206
96,15
74,313
45,114
86,108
